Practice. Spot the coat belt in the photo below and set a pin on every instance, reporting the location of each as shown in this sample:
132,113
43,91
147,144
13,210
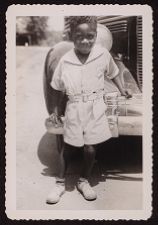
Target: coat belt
86,97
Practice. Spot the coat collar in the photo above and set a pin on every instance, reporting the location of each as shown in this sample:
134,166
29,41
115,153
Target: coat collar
72,58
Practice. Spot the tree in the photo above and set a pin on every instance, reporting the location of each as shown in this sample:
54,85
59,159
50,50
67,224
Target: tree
37,26
33,30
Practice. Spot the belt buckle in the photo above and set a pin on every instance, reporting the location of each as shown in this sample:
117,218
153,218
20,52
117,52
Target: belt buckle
85,98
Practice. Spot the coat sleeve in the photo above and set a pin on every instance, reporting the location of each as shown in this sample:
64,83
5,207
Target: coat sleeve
57,82
112,69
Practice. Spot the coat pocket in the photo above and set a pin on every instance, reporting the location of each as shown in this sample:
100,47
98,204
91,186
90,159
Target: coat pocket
70,114
99,108
100,72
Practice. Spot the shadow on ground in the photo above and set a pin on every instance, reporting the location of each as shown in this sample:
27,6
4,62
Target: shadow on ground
117,159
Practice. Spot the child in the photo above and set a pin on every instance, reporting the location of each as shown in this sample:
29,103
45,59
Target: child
80,74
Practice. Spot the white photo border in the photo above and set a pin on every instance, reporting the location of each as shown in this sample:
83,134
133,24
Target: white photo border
46,10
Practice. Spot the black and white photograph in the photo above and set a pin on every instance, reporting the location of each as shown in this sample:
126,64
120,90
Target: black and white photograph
79,112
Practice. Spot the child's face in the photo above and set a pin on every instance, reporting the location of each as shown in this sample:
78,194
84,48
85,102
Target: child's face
84,38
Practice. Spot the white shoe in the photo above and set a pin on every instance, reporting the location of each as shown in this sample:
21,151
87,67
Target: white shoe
55,194
86,190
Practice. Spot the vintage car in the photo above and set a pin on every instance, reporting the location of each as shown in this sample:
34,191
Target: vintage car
117,35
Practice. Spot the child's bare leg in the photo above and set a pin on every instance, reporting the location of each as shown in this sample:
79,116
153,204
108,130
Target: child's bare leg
89,159
64,160
59,187
63,156
83,184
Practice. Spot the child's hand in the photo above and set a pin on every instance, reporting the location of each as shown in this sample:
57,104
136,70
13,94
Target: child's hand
127,94
55,119
54,124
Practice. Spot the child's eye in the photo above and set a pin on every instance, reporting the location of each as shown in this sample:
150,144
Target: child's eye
90,36
79,37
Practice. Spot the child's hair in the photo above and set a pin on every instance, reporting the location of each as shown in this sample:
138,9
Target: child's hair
74,21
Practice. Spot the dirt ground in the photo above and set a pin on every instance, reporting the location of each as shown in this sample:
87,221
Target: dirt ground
117,175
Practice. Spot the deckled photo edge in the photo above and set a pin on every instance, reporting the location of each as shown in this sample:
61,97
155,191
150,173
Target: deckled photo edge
11,211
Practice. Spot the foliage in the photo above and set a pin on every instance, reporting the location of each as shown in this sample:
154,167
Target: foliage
21,24
34,31
37,26
52,37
